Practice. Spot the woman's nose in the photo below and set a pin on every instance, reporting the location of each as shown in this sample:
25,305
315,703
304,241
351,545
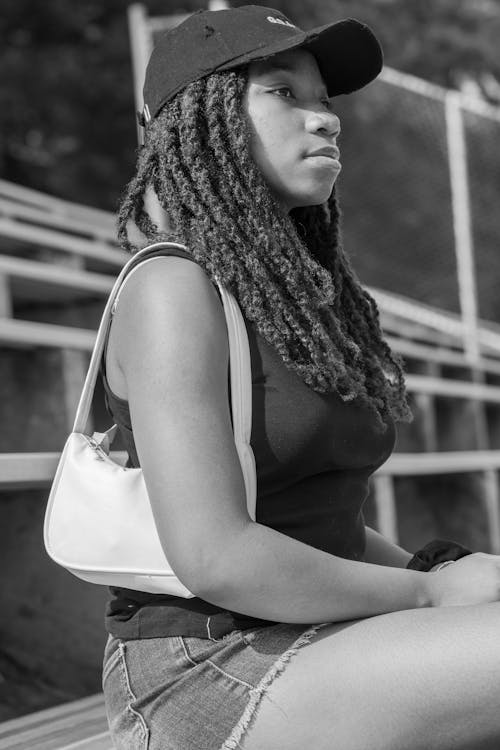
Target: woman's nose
327,122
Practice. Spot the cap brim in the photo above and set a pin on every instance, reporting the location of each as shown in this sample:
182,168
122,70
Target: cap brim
348,54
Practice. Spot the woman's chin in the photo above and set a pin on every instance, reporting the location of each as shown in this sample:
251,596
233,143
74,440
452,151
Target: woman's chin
313,199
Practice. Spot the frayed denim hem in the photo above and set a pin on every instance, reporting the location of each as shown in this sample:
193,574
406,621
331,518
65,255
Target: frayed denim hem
256,694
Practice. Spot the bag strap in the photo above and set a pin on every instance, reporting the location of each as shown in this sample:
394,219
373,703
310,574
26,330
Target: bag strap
239,370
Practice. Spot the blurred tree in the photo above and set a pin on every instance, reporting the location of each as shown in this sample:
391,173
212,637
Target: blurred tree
66,102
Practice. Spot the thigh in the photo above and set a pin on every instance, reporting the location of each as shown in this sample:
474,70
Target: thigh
415,679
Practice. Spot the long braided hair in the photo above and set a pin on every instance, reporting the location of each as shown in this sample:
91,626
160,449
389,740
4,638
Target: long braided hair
288,272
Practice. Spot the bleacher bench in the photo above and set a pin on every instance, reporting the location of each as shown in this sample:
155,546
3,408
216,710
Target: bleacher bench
79,725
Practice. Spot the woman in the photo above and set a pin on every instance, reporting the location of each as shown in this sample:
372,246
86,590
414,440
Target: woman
307,629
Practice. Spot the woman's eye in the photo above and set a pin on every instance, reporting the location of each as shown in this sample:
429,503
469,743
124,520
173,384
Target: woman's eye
286,90
287,93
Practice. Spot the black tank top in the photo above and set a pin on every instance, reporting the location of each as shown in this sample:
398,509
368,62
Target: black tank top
314,455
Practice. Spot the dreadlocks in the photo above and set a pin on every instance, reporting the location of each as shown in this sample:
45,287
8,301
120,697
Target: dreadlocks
288,272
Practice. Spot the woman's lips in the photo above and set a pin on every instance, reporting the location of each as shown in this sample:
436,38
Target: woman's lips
331,152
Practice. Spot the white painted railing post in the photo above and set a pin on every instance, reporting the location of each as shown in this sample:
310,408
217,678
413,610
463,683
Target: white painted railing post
141,42
462,225
385,504
141,45
491,501
5,297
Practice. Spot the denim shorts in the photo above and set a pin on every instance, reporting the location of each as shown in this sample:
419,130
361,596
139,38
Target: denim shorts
184,693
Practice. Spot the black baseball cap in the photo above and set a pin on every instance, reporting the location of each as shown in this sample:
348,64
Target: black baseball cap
347,52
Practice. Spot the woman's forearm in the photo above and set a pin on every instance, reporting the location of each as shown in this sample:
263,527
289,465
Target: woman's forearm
263,573
380,551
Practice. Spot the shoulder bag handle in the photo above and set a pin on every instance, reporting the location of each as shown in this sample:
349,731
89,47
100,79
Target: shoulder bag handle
239,370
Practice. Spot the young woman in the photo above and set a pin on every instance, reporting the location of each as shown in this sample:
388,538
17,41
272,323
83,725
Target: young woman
307,630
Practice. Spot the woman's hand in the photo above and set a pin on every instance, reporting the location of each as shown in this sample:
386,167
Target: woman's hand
474,579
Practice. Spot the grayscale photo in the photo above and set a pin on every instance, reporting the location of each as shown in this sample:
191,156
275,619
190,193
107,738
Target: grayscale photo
250,375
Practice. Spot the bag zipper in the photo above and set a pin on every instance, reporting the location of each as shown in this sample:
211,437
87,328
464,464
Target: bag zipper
99,451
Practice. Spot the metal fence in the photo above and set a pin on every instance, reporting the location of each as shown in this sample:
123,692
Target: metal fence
419,187
419,192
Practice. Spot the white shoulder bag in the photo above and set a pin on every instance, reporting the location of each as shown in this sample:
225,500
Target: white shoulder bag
98,523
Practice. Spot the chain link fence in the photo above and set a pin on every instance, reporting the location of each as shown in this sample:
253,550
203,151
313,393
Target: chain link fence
415,171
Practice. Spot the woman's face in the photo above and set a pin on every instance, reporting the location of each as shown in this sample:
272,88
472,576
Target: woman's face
291,120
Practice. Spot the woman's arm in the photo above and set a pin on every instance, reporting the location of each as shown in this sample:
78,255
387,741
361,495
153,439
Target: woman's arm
381,551
170,333
263,573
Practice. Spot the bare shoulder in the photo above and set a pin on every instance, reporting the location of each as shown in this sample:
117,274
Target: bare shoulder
169,325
